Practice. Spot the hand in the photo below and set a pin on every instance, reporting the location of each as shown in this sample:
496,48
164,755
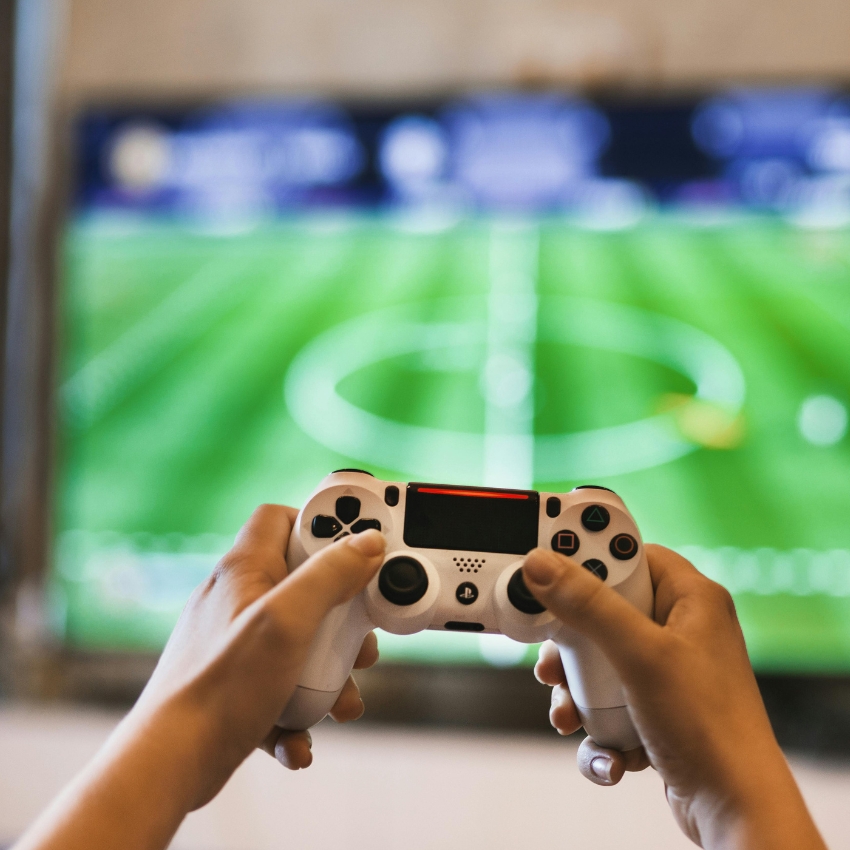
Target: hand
230,666
243,638
691,694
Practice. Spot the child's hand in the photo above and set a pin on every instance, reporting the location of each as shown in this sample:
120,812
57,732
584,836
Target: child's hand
692,696
238,649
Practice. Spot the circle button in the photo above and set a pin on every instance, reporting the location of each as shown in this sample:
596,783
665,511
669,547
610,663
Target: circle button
623,547
466,593
566,542
597,568
595,518
520,596
403,580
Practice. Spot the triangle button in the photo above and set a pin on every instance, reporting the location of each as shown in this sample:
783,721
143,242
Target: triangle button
595,518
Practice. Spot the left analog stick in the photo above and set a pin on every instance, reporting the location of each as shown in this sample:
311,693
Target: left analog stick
403,580
520,596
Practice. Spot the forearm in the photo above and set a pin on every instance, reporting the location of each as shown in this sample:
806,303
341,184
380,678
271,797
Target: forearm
771,815
785,825
133,795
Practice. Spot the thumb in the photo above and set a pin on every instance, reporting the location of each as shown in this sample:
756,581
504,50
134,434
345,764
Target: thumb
327,579
580,599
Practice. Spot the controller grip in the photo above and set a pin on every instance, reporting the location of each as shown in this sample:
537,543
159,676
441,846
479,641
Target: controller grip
610,727
594,683
306,707
329,663
597,693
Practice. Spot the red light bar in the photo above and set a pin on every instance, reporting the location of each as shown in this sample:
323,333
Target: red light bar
484,494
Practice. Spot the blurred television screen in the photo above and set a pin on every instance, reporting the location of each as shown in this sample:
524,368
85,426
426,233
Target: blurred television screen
518,290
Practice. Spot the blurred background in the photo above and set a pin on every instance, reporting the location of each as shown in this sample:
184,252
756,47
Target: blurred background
254,242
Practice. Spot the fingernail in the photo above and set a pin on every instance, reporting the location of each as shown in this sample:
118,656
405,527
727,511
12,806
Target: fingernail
600,767
309,740
540,567
369,543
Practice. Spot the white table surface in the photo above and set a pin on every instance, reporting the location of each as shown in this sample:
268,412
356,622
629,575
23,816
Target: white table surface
378,788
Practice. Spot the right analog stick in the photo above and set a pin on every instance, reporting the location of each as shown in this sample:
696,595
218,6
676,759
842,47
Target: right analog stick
520,596
403,580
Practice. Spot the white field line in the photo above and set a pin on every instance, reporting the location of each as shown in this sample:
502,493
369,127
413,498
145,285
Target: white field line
180,318
180,561
508,375
767,572
152,341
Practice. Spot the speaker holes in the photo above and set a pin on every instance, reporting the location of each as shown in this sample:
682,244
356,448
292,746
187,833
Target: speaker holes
469,564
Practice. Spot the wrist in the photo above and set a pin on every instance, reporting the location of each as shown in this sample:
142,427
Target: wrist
760,808
784,825
171,743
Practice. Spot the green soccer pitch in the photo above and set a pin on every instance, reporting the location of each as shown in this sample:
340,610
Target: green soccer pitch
203,374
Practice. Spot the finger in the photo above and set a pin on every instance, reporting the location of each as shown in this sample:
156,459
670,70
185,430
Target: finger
667,565
672,578
368,654
348,705
327,579
563,714
579,599
262,541
268,525
603,766
549,670
291,749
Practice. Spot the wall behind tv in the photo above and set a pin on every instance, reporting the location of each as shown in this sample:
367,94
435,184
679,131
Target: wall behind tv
160,47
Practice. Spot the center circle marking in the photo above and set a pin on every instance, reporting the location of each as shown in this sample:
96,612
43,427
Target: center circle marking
454,327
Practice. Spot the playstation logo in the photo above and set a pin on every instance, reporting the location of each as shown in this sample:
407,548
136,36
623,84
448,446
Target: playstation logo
466,593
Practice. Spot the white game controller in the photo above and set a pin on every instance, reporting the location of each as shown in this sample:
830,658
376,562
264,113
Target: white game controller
453,562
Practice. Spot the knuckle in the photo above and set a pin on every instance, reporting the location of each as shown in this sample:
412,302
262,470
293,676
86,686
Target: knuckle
721,598
242,559
273,626
227,565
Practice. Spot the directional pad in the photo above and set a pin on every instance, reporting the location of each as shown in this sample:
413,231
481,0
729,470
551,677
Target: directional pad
365,524
325,526
348,508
